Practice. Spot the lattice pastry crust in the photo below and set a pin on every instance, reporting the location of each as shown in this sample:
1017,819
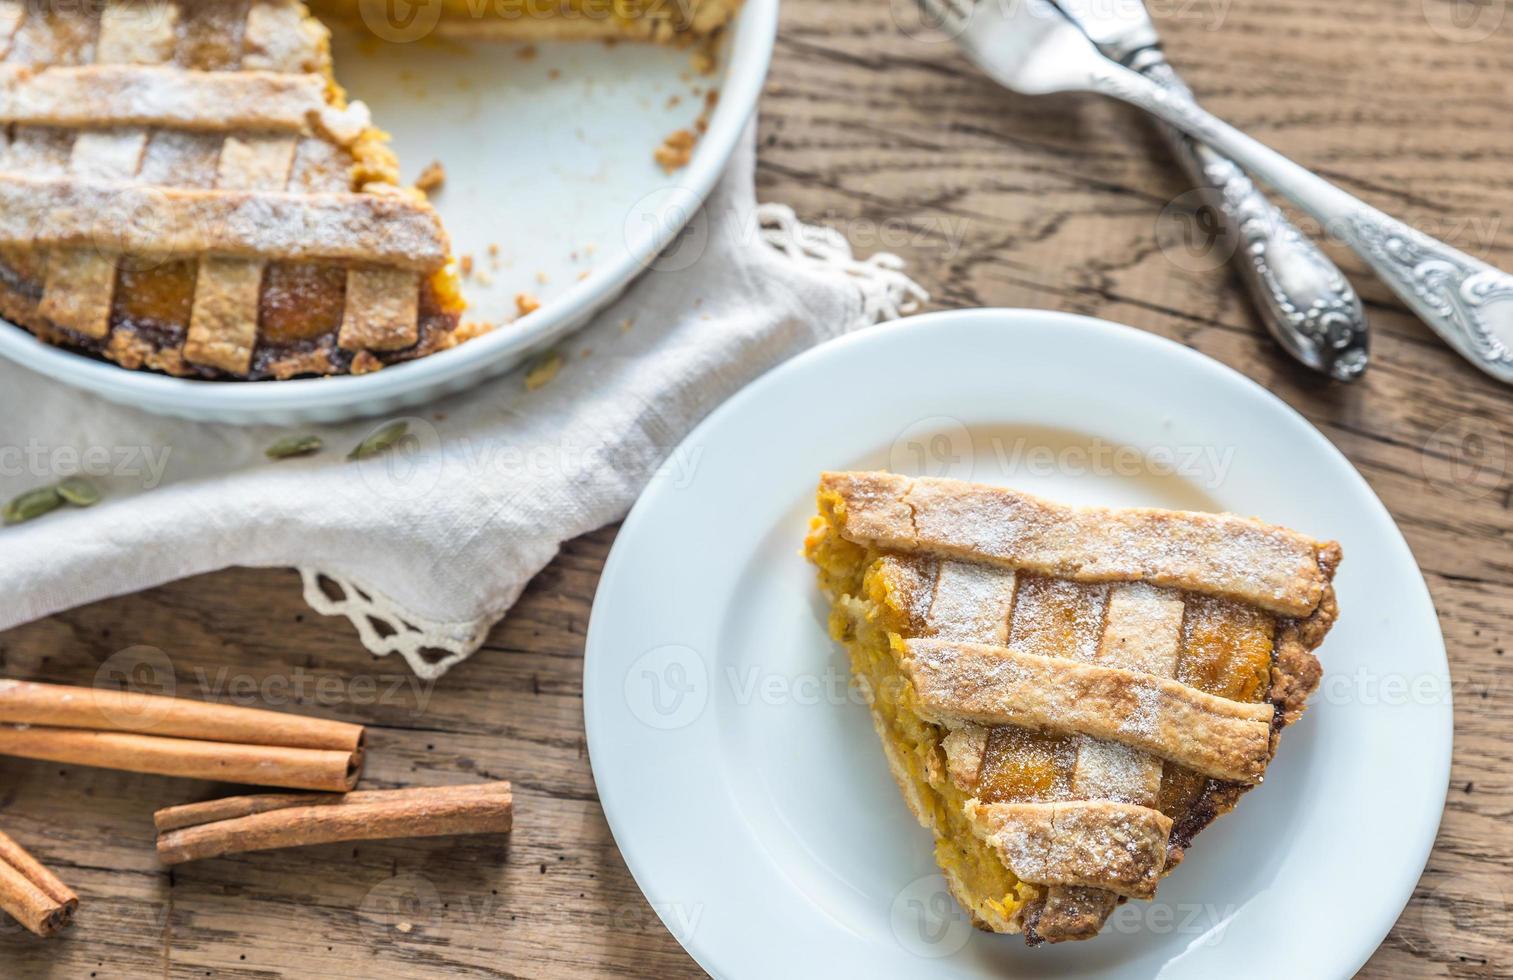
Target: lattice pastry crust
1103,683
184,188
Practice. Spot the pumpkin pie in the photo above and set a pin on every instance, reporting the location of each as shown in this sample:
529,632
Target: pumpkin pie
185,188
1066,696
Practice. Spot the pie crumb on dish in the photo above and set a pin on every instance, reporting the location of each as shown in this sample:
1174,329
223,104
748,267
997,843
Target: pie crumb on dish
432,177
675,150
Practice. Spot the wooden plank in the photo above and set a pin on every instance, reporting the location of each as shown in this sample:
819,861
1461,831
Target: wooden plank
995,201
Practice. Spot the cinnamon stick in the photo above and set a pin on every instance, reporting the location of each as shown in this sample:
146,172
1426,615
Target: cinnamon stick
198,831
105,710
177,737
31,894
256,765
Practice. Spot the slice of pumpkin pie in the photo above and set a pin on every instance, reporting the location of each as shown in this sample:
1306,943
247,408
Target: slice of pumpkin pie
1066,696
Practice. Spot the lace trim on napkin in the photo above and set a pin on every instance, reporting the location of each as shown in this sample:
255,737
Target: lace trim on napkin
887,291
432,647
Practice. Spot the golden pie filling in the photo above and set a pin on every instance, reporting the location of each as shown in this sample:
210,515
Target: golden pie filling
866,617
889,603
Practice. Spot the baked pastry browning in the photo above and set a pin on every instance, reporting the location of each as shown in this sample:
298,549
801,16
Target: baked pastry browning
183,187
1066,696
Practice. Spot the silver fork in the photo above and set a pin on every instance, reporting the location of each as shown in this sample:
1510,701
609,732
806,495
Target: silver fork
1031,47
1305,301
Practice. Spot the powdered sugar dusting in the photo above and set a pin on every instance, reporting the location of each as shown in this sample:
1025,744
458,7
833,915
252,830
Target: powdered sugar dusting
911,581
999,686
1111,771
162,95
1213,553
180,159
1058,618
171,210
972,603
1087,843
273,225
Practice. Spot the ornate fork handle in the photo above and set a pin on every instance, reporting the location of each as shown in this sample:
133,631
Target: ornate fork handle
1463,299
1303,298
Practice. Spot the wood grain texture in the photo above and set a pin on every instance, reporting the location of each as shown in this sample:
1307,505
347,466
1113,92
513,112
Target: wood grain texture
1064,202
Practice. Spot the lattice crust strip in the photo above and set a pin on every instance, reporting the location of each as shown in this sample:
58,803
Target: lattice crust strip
1081,843
63,211
80,282
1142,632
970,603
103,96
249,197
11,12
973,682
223,321
1216,554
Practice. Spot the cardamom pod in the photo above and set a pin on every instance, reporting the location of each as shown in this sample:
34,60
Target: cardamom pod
79,492
543,370
380,440
291,446
32,504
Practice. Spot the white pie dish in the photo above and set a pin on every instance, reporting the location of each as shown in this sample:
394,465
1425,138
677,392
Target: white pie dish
594,205
745,786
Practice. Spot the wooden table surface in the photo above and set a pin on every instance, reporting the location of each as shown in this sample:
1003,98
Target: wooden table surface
995,201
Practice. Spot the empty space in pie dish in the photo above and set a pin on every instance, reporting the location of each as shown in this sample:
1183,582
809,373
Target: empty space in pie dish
547,148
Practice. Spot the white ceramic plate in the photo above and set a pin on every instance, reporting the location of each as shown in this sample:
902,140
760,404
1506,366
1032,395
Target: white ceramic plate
562,182
747,791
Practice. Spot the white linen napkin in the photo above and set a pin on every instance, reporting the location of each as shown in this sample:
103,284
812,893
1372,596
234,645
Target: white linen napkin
436,538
